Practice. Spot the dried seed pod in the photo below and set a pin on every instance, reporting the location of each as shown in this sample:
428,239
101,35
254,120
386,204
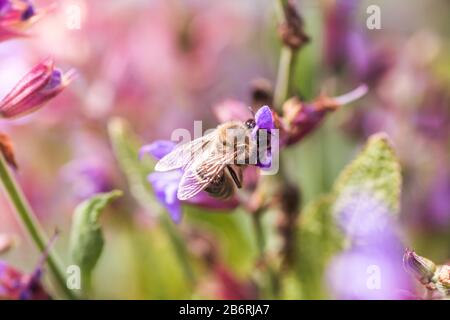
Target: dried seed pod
291,31
7,150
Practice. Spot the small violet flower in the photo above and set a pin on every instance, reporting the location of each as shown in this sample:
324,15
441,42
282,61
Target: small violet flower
36,88
264,121
87,177
165,185
15,285
230,110
372,267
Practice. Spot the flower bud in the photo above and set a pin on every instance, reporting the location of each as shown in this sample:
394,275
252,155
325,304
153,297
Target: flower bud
40,85
443,280
291,30
7,150
7,241
300,119
15,16
421,268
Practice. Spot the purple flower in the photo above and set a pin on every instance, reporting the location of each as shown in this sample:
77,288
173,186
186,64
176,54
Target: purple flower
437,206
372,267
347,47
366,220
41,84
361,273
165,185
16,15
87,177
264,121
15,285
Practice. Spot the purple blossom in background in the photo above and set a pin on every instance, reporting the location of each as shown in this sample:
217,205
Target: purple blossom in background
372,267
367,221
165,185
338,28
347,47
16,15
360,273
87,177
438,202
15,285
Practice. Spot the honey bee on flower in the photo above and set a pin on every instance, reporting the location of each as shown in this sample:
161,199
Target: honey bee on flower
214,162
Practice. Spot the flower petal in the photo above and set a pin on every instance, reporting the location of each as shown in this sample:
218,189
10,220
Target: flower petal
264,118
157,149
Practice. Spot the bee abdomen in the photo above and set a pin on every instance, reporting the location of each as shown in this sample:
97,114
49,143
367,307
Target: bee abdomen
219,188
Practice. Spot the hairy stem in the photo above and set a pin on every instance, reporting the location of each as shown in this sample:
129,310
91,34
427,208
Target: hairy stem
32,226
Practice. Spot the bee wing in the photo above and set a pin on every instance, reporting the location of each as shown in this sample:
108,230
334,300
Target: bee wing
183,155
201,173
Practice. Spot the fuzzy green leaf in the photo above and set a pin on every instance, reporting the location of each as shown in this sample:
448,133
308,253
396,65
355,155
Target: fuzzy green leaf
86,239
375,171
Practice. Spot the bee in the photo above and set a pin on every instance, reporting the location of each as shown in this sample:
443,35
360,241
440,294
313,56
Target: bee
214,162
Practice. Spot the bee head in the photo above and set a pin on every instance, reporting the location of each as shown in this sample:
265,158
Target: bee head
250,123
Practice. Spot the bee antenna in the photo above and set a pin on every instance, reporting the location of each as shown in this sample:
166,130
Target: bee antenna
251,110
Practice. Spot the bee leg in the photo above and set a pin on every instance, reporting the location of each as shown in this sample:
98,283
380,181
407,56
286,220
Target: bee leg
236,178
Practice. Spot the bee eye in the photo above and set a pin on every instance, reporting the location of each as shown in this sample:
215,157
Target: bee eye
250,123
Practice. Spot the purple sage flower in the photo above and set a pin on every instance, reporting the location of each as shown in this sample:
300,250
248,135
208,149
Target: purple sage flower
15,285
264,120
361,273
437,206
41,84
88,177
15,16
165,185
372,267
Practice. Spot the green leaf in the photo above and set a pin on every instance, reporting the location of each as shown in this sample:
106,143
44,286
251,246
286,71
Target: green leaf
86,239
375,171
126,150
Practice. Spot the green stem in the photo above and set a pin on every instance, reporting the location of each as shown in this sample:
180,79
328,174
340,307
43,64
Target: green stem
271,276
179,248
31,224
284,77
286,66
259,234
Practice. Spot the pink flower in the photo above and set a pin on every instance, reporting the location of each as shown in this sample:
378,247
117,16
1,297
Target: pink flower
15,16
41,84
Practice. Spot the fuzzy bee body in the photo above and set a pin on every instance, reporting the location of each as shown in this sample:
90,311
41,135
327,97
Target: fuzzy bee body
214,162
